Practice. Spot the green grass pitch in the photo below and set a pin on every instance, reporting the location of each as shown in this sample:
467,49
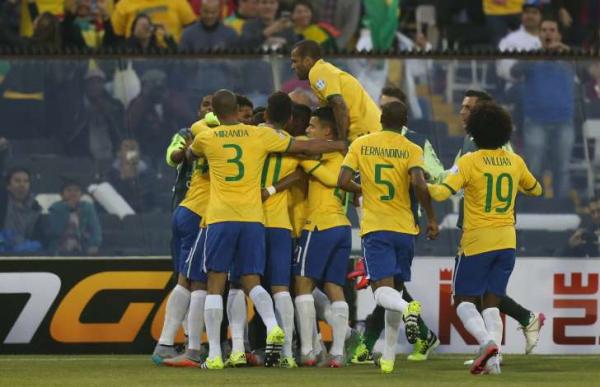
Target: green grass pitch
440,370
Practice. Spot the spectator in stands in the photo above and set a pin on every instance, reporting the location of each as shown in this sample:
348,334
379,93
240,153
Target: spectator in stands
247,9
132,179
169,16
209,33
30,12
10,11
548,109
73,225
303,17
153,115
343,15
87,24
147,36
585,241
20,214
245,109
268,31
526,38
46,33
502,16
97,127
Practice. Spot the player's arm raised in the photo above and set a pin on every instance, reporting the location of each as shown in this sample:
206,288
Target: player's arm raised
316,146
419,185
342,117
194,151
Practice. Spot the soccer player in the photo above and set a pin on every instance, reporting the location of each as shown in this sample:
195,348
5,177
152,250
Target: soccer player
235,234
375,322
531,323
185,223
245,109
354,110
491,177
324,250
391,169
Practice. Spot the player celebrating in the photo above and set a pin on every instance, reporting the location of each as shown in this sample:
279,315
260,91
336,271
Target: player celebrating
235,233
490,177
390,167
354,110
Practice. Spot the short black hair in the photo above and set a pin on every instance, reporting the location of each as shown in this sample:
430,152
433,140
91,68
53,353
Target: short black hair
308,48
258,117
224,103
70,182
279,108
490,125
13,171
242,100
394,115
300,119
393,91
479,94
325,115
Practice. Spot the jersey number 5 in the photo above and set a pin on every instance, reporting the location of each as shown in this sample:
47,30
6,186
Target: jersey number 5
379,180
504,199
235,160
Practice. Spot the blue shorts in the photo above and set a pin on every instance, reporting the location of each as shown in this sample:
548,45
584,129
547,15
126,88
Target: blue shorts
239,245
278,269
388,254
193,267
323,255
483,273
185,226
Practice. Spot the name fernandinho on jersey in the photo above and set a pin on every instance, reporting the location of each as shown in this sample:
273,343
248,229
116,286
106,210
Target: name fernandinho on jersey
367,150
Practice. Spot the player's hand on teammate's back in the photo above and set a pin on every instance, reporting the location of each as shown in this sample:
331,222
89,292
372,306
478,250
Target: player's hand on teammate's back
432,230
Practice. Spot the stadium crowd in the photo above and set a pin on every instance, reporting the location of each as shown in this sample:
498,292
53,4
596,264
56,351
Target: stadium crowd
68,123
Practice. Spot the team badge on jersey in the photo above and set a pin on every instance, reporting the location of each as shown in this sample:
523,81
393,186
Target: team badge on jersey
454,169
320,85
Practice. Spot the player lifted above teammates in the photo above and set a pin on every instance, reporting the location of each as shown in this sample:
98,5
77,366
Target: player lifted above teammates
235,232
354,110
491,178
391,169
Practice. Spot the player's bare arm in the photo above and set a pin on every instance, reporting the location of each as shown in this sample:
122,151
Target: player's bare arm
283,184
342,118
346,183
419,185
316,146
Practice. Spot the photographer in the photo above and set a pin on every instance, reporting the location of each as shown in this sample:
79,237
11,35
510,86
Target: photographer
585,241
267,31
146,35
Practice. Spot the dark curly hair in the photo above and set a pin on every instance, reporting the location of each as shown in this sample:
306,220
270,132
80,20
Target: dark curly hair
490,125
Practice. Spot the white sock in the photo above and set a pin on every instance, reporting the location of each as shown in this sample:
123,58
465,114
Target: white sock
493,324
392,327
390,299
236,313
340,313
322,305
177,306
316,339
213,315
473,322
264,305
196,319
305,318
185,323
284,309
380,343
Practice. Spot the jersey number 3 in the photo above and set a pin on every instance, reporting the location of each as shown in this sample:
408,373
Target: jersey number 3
503,179
235,160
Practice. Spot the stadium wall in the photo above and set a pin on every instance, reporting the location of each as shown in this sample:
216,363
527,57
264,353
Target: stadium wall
116,305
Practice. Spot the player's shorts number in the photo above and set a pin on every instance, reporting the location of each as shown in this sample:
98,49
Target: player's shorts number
379,180
235,160
504,179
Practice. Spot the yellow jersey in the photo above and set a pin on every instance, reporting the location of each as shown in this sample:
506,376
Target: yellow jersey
491,180
326,203
278,166
327,81
236,154
490,7
198,194
384,160
173,15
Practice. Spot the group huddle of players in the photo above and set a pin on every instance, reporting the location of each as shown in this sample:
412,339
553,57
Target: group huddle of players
264,216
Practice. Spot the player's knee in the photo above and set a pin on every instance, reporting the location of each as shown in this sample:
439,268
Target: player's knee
303,285
334,292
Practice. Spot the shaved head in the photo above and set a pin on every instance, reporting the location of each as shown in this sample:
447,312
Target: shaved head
224,103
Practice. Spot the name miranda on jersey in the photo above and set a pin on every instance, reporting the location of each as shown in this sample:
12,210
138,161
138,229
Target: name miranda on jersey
367,150
496,161
232,133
